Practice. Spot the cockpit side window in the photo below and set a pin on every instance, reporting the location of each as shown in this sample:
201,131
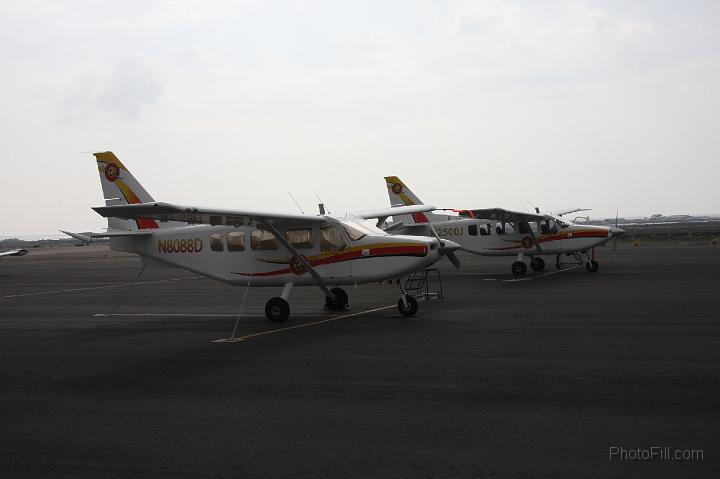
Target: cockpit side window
331,238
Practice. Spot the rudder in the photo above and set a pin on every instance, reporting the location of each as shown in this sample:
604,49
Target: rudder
400,195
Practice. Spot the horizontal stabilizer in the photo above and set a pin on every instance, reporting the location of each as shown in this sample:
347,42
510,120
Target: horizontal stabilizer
87,237
394,211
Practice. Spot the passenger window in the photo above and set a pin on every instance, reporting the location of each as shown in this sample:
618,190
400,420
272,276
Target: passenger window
499,229
331,238
473,230
263,240
216,242
545,227
236,241
485,230
300,239
523,228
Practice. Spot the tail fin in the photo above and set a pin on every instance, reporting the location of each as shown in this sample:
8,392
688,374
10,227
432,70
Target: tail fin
401,195
120,187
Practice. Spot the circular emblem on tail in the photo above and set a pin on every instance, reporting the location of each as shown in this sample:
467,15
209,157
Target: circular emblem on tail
397,188
527,242
296,266
112,172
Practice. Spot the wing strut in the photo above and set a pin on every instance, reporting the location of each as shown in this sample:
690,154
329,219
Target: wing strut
308,267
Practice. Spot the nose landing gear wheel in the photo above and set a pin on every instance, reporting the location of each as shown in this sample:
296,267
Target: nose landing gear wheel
592,266
277,310
519,268
411,308
537,264
339,301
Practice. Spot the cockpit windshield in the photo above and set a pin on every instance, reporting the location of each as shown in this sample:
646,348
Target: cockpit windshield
357,230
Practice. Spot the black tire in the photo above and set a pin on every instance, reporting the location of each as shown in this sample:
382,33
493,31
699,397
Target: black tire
277,310
592,266
412,306
537,264
339,302
519,268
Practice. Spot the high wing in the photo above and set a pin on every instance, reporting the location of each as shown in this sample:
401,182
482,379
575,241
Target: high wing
209,216
501,215
14,252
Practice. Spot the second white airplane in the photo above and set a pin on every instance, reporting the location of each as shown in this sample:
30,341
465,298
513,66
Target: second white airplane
501,232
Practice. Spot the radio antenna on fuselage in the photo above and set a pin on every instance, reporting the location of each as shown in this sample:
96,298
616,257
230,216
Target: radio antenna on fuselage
321,205
296,203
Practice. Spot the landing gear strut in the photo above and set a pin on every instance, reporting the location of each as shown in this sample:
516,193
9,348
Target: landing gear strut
537,263
277,309
339,301
592,266
407,304
588,260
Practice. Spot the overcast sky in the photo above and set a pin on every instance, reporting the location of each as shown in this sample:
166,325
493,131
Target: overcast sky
473,103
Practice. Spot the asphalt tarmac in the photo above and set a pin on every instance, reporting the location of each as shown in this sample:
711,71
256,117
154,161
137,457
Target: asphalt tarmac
102,374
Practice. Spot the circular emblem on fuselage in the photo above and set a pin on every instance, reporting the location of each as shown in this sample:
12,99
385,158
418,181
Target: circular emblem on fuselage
527,242
397,188
296,266
112,172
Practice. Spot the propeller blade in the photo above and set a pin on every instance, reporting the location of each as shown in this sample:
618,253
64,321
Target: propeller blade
454,260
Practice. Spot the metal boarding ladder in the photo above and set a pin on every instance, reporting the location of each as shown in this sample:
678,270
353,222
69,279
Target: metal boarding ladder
418,284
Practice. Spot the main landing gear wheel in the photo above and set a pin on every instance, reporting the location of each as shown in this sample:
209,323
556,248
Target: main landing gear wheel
277,310
537,264
592,266
519,268
411,308
339,301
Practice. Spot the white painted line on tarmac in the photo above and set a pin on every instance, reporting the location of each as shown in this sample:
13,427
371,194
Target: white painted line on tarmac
304,325
191,315
538,276
75,290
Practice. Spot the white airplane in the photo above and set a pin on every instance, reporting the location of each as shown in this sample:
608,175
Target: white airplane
255,248
500,232
14,252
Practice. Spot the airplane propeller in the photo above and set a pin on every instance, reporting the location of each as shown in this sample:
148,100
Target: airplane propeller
447,248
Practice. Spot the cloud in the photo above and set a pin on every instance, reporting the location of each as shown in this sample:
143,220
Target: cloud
506,37
129,88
